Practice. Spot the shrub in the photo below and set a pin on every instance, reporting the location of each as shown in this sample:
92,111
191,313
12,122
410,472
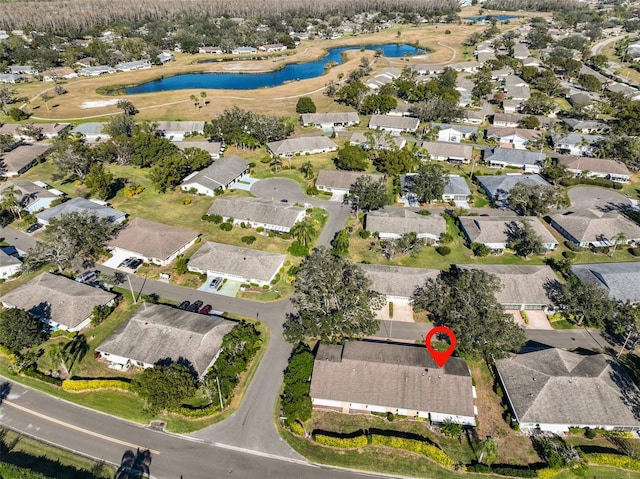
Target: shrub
525,318
615,460
285,236
341,442
514,471
634,251
217,219
181,265
480,249
260,229
573,247
424,212
390,417
32,372
446,238
312,191
364,234
100,313
390,309
591,181
297,249
590,433
186,201
547,473
443,250
93,384
226,226
17,114
569,254
248,239
577,430
420,447
296,428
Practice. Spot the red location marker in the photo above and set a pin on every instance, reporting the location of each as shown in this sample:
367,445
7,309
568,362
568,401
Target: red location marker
441,357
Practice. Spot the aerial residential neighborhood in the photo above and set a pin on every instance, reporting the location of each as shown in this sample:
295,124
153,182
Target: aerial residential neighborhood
397,239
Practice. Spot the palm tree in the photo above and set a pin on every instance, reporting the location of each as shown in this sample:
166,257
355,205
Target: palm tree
275,163
620,238
9,202
303,232
306,169
203,95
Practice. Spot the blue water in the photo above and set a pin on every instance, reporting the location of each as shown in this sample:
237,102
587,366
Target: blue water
500,18
251,81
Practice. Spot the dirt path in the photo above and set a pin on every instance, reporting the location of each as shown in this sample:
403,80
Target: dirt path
453,50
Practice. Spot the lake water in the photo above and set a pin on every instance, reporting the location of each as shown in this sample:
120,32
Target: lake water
251,81
500,18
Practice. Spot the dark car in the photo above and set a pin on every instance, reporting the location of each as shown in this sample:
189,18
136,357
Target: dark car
134,263
184,305
284,200
195,306
126,262
206,309
34,227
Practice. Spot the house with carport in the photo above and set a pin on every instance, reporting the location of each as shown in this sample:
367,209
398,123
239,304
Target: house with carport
258,212
246,265
220,175
552,390
330,120
339,182
178,130
447,151
394,124
80,205
211,147
529,161
495,232
454,133
91,131
29,195
302,145
397,283
62,302
594,227
391,223
498,187
362,377
152,242
590,167
46,130
156,331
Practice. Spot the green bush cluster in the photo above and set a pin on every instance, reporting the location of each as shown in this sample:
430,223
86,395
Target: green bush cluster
419,447
200,412
364,234
312,191
297,249
502,470
573,247
341,442
295,400
93,384
547,473
226,226
217,219
480,249
32,372
634,251
443,250
248,239
591,181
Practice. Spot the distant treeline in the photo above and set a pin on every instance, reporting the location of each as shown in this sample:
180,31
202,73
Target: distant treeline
533,5
63,15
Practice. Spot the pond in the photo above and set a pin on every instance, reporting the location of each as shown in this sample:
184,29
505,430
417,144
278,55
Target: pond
500,18
251,81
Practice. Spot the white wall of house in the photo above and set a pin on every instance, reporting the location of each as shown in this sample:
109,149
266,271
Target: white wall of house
10,270
235,277
451,135
158,261
426,236
266,226
398,299
200,189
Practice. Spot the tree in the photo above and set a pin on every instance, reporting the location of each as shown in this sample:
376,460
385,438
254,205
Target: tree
437,109
351,158
464,300
368,194
275,162
99,180
619,238
590,82
340,243
165,386
305,105
626,322
73,159
538,104
584,303
149,148
523,240
529,122
19,330
10,202
408,243
6,142
450,428
534,200
170,170
554,171
8,96
333,300
394,161
548,83
306,169
295,399
429,182
127,107
304,232
352,94
261,128
377,103
73,240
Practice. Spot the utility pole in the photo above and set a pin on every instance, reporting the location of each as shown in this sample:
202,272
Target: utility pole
133,294
624,345
219,394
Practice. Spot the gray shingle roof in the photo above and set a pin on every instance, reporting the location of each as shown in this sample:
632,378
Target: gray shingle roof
211,147
22,156
71,302
404,220
483,229
503,131
301,144
48,129
520,284
157,331
81,205
621,280
397,280
595,165
256,209
553,386
501,184
169,127
151,239
595,226
90,128
219,173
467,130
449,149
26,192
393,122
323,118
8,260
456,185
342,179
243,262
391,375
575,139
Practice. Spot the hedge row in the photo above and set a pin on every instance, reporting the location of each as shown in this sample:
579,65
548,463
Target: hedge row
432,452
33,373
197,413
548,473
591,181
342,442
89,384
615,460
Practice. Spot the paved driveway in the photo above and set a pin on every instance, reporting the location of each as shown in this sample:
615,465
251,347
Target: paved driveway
537,320
599,198
401,312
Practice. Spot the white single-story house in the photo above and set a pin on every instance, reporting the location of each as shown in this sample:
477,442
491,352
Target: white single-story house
244,50
495,231
397,283
330,120
47,130
211,147
589,167
517,138
157,331
592,227
235,263
302,145
222,174
152,242
363,377
529,161
96,71
273,47
132,66
576,144
448,151
553,390
91,131
81,205
54,74
394,124
177,130
64,303
454,133
498,187
210,50
29,195
456,189
258,213
391,223
9,265
10,78
338,181
20,159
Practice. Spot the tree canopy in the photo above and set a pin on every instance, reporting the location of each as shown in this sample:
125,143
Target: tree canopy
429,182
333,300
465,301
369,194
534,200
351,157
523,240
166,386
305,105
584,303
236,126
19,330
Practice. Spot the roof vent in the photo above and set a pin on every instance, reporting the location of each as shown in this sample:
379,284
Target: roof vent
534,379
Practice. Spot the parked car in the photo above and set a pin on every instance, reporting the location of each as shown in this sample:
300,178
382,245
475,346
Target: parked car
195,306
206,309
184,305
284,200
125,263
215,282
87,277
135,263
34,227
